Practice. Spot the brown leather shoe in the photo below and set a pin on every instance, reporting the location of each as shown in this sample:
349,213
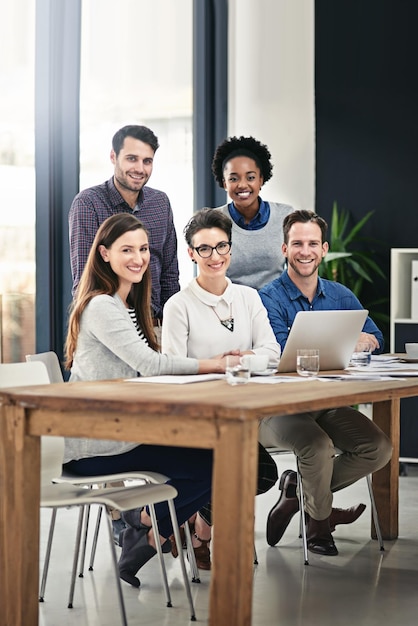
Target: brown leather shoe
319,537
285,508
174,548
345,516
202,553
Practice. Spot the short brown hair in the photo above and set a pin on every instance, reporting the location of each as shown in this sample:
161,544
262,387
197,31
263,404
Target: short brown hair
207,218
303,216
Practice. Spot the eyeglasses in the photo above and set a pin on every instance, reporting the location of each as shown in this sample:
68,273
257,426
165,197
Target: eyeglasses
222,248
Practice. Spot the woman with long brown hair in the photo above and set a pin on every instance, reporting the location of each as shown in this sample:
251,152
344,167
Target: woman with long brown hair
110,335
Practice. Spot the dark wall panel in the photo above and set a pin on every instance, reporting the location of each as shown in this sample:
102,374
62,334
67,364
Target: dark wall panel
366,86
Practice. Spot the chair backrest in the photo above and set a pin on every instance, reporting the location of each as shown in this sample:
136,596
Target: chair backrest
36,373
22,374
52,363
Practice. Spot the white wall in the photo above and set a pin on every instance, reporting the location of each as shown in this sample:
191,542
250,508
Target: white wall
271,90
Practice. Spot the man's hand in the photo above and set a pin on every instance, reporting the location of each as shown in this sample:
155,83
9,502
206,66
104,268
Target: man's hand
370,339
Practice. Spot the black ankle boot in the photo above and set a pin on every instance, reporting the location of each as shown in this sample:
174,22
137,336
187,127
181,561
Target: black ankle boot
136,551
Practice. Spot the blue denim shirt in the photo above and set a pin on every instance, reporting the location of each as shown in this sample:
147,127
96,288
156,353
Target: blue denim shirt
283,300
259,220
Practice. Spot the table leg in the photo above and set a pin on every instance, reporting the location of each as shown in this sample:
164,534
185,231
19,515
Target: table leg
233,494
386,481
19,519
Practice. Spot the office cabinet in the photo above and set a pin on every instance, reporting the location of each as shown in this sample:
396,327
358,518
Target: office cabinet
403,329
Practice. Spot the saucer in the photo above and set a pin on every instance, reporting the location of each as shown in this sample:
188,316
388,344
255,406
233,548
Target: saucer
267,372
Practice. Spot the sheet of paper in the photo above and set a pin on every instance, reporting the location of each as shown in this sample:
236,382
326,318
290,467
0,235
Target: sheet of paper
357,376
389,368
176,380
274,380
385,358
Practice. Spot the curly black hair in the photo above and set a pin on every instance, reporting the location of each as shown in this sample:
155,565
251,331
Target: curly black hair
240,146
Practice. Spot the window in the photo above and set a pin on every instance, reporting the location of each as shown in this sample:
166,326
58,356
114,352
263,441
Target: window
136,68
17,181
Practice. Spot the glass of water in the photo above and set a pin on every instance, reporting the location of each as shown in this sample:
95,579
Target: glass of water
307,362
362,355
237,373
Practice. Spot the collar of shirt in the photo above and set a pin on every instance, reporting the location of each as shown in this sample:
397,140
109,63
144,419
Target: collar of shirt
212,299
295,293
259,220
118,200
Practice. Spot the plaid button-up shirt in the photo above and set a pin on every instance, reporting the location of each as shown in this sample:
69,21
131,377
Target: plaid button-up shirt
93,205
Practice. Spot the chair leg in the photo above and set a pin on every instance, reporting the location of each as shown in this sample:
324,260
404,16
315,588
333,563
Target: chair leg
95,538
374,513
177,537
160,555
85,535
76,555
47,555
302,515
116,569
255,555
191,555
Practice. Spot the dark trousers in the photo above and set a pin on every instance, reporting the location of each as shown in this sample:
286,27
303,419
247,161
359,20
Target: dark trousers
266,479
189,469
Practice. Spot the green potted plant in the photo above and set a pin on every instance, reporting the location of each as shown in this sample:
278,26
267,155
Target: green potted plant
343,263
348,264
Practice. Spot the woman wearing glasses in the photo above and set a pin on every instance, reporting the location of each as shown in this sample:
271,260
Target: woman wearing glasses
212,316
241,166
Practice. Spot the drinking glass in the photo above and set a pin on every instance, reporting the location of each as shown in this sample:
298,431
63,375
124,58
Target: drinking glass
307,362
362,355
237,372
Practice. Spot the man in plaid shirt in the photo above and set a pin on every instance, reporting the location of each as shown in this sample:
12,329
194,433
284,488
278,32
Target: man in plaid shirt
132,154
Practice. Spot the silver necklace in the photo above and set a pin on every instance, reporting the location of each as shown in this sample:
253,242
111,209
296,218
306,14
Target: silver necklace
228,323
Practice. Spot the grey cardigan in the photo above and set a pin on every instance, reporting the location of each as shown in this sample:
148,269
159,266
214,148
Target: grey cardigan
256,255
108,347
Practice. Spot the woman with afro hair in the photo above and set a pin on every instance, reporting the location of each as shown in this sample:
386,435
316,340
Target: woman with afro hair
241,166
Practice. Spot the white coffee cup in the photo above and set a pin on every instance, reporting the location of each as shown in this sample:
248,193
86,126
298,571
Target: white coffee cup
255,362
412,350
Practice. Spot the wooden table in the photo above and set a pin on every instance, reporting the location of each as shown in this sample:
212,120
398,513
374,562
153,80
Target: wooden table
208,415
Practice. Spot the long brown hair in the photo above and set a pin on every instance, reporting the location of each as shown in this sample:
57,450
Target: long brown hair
99,278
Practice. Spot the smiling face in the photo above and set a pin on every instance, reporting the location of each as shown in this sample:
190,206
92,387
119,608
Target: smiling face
129,257
133,166
215,266
304,249
243,181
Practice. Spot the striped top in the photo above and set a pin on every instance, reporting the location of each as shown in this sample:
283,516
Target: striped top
132,315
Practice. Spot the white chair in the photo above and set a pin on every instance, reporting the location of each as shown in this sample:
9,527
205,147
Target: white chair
64,495
51,361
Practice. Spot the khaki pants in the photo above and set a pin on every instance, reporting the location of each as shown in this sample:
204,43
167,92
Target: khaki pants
314,438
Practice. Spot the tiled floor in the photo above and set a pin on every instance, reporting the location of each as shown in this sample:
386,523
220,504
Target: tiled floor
360,586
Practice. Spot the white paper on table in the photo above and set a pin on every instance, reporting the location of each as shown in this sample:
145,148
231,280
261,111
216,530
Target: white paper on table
385,358
387,368
175,379
273,380
358,376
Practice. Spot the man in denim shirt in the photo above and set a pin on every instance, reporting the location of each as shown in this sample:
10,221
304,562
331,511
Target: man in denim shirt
314,436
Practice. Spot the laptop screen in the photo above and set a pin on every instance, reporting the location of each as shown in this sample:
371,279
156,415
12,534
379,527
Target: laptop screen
334,333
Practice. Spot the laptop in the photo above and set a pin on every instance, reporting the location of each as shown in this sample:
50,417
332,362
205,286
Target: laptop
334,333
